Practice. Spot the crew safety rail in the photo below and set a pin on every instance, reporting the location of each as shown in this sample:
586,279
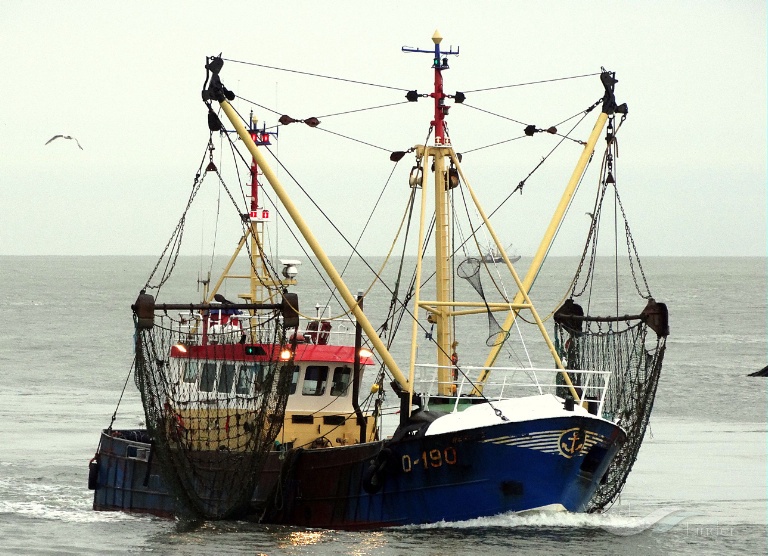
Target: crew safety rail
228,329
512,382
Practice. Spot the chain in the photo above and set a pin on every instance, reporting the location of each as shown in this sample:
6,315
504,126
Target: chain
632,249
174,242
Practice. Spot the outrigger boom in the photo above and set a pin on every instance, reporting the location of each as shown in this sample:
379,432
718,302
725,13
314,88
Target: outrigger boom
317,249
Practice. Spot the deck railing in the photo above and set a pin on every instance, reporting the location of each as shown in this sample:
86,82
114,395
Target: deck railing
188,328
511,382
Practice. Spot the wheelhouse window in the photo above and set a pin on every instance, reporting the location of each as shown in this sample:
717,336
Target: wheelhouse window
191,370
226,378
262,372
208,376
294,379
315,380
340,382
245,379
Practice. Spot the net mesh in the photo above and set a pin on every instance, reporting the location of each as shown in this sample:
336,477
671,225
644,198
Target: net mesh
634,359
213,410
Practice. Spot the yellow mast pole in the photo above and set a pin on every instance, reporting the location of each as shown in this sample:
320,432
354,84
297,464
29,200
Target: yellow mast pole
333,274
443,274
422,153
548,239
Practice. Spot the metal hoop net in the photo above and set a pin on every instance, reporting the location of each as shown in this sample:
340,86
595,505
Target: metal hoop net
469,270
212,409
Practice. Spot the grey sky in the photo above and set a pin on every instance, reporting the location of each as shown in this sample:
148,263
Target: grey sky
124,78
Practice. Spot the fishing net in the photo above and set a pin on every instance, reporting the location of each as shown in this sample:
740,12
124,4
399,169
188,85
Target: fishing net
214,396
625,348
469,269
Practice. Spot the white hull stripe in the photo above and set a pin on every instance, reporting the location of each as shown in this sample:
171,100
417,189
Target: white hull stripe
549,442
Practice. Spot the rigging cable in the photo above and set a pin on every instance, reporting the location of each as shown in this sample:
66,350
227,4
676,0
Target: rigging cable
174,242
218,203
532,83
120,399
310,74
538,165
555,126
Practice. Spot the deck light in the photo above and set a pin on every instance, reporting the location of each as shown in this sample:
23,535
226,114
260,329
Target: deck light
365,352
285,355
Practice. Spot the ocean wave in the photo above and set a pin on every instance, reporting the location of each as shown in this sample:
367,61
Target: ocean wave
39,500
616,523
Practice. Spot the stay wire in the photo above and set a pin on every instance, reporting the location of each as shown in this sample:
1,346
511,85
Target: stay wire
218,206
311,74
282,218
520,185
567,136
125,384
353,139
531,83
244,225
245,228
324,116
367,222
377,274
364,109
174,242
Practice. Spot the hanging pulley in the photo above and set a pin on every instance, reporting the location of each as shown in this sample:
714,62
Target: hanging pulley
416,177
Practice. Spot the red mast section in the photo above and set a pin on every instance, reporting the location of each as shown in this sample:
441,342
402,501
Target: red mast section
259,137
439,63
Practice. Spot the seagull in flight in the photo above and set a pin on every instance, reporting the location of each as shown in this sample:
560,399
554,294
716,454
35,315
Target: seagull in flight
64,137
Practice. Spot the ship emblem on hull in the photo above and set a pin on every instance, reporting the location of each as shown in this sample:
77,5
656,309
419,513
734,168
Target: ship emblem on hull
571,442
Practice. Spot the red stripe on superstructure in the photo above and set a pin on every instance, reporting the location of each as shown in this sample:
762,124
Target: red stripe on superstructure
236,352
336,354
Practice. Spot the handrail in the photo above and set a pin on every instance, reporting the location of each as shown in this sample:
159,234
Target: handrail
592,385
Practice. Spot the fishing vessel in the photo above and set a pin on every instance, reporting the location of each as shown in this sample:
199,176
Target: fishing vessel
493,255
253,409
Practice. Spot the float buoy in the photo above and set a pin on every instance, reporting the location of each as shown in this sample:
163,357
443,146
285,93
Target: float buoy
93,473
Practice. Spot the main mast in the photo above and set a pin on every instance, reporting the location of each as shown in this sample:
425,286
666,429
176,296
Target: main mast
443,309
440,312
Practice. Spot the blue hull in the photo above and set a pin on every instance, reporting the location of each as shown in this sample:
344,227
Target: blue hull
515,466
452,477
124,478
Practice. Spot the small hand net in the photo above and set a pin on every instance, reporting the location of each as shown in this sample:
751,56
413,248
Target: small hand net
469,269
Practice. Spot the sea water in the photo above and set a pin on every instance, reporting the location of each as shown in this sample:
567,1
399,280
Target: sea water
698,486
